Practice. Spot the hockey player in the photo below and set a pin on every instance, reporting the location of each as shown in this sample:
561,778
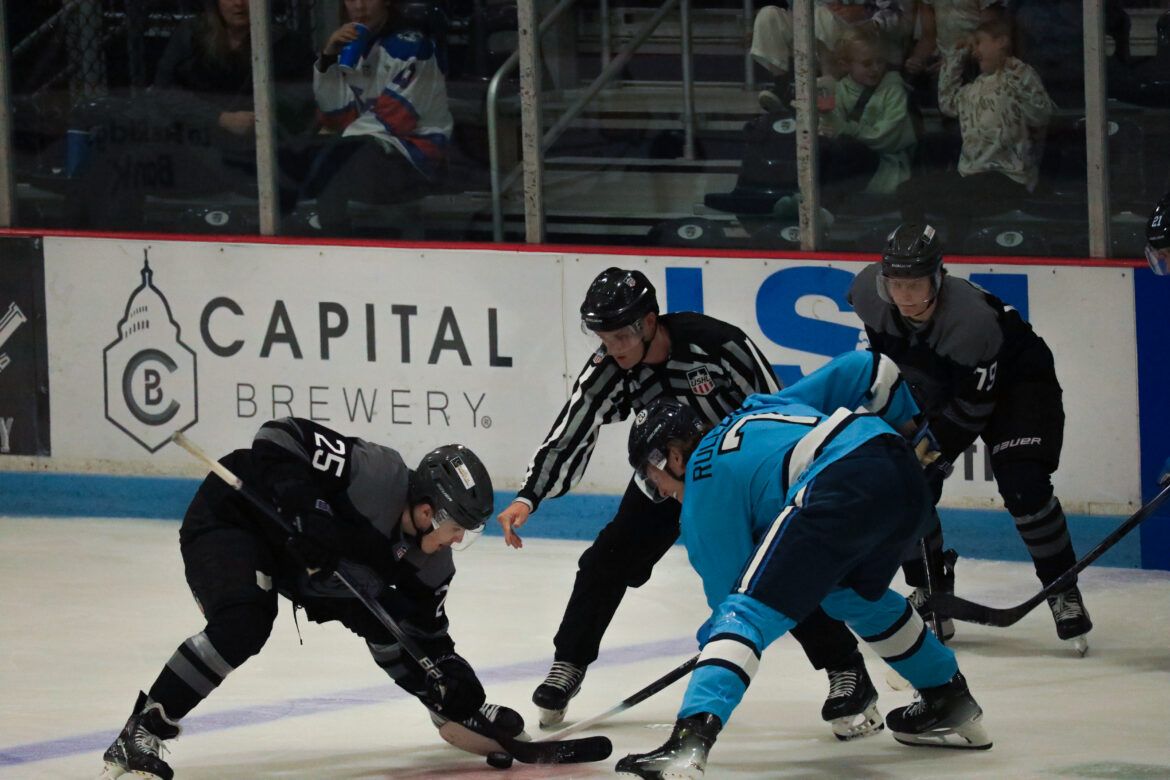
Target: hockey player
711,367
1158,237
977,370
354,505
787,506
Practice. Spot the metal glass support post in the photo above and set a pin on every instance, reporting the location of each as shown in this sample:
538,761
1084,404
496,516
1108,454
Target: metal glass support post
807,162
749,72
688,76
7,182
605,42
530,122
493,123
1096,129
264,101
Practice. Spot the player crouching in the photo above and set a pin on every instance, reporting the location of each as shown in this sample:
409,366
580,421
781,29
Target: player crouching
803,498
356,508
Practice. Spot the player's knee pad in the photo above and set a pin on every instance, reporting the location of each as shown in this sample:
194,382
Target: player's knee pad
1026,486
238,631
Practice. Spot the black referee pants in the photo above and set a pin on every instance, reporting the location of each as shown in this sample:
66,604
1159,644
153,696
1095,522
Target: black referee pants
623,556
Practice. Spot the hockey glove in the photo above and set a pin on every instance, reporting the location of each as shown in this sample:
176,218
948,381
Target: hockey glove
935,468
316,538
460,693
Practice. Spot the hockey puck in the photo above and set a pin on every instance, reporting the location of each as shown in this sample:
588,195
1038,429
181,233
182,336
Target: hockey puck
499,760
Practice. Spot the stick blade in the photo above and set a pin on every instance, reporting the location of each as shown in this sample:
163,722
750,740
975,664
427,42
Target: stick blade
569,751
969,612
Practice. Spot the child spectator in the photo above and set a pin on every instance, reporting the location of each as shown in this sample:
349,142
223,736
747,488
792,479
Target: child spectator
1003,115
389,110
772,37
866,125
944,24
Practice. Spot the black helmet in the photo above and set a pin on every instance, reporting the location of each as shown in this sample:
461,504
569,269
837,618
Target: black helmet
912,252
617,298
662,421
453,479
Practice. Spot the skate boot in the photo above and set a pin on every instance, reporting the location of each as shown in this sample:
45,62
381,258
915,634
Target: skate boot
552,696
138,749
470,735
682,757
851,706
944,583
1072,619
945,716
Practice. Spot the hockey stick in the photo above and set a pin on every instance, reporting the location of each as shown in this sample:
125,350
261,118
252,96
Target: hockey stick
561,752
663,682
961,609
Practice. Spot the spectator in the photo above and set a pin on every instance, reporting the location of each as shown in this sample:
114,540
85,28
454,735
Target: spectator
866,124
194,131
772,37
1002,115
389,112
944,24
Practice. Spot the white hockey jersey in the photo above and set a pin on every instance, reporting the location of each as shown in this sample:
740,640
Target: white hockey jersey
397,93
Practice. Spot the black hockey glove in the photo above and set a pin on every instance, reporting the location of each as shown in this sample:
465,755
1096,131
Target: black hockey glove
315,541
935,468
460,694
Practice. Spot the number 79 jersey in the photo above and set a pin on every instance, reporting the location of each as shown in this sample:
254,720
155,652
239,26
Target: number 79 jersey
752,465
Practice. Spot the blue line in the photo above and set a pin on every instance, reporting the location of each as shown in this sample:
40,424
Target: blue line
97,741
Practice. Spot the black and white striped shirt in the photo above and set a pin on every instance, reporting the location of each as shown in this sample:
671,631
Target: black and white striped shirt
712,367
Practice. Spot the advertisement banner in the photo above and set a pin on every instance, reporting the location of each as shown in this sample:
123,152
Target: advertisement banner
408,348
24,375
419,347
797,313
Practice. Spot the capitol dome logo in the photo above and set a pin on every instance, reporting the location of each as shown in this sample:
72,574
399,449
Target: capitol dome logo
150,378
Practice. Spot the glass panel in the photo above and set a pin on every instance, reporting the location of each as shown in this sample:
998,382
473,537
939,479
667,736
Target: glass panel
139,115
1138,83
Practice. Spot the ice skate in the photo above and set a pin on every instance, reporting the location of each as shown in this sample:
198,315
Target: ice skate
139,748
946,716
682,757
469,735
851,706
945,584
552,696
1072,619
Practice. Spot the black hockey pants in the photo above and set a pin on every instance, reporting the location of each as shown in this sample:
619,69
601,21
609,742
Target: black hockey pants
623,556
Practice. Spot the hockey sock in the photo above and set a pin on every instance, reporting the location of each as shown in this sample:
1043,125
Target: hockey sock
192,673
1046,534
896,632
740,630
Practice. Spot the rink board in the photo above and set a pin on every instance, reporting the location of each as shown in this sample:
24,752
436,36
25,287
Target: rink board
417,346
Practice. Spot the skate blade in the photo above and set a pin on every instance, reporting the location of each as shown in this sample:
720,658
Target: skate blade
1080,644
111,772
969,736
551,718
862,724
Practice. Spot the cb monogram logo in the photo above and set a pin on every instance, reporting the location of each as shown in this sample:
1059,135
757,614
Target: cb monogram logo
150,380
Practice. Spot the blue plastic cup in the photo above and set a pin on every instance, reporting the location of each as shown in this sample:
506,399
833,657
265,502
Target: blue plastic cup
78,145
353,50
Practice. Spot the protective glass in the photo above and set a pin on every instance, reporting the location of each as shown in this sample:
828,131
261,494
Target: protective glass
657,459
1159,260
617,340
442,520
